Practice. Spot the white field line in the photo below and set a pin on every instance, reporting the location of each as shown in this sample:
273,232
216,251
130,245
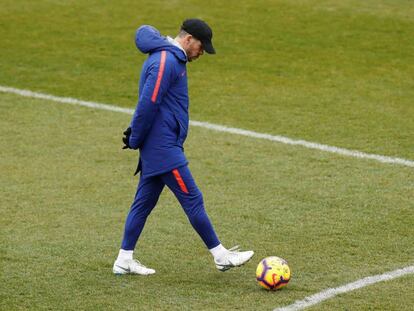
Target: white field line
308,301
220,128
332,292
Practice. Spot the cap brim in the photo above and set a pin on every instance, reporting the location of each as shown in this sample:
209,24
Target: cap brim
208,47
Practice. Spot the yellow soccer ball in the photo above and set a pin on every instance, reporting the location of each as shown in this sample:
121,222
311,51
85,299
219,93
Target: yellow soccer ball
273,273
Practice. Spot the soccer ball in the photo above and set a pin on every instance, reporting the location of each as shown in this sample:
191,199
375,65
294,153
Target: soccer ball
273,273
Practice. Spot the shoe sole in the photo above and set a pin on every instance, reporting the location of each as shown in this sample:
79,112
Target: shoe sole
124,272
226,268
120,270
120,273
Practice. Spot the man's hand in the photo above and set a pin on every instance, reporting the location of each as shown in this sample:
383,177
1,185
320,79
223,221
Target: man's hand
125,139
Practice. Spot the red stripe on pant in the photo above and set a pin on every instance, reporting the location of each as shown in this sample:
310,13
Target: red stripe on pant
180,181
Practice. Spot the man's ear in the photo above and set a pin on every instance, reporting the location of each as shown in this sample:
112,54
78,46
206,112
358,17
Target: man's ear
188,38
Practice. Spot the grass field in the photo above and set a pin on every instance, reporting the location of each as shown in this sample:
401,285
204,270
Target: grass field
333,72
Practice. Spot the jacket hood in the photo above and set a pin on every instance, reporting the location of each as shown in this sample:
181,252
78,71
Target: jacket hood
149,40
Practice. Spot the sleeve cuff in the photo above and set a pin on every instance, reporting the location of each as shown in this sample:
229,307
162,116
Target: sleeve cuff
134,142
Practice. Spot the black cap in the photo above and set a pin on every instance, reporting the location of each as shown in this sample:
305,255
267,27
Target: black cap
201,31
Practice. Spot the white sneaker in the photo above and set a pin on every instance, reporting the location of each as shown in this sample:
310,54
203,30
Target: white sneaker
130,266
233,258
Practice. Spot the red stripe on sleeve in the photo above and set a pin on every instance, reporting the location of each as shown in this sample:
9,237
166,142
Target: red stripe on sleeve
159,77
180,181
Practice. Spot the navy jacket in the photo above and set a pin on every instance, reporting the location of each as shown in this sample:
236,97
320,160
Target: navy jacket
160,123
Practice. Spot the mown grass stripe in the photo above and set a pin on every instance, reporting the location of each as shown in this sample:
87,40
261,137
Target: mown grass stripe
332,292
220,128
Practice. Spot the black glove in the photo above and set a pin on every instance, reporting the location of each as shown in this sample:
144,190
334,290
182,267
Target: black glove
125,139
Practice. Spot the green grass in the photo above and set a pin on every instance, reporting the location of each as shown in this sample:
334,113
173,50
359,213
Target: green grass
335,72
66,187
383,296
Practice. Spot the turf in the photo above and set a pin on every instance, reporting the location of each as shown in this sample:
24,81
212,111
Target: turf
66,187
334,72
328,71
383,296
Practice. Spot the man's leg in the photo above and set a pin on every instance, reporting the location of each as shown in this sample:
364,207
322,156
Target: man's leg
186,191
146,197
182,184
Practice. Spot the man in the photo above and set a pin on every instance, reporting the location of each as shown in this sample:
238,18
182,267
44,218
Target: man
158,129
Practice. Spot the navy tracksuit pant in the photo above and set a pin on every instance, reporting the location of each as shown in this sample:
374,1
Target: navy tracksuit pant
182,184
